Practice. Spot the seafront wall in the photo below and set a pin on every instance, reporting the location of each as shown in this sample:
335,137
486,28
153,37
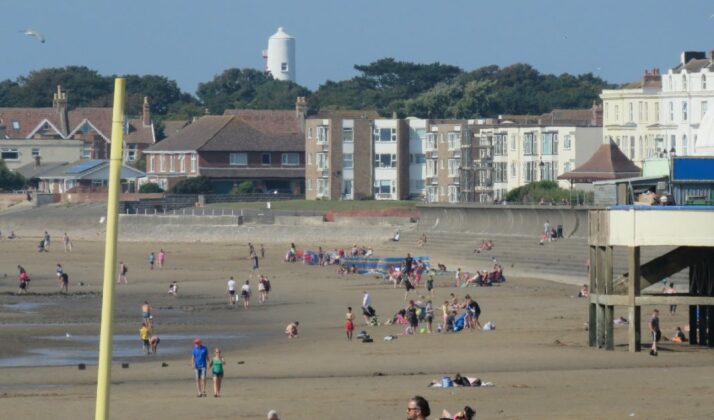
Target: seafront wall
503,220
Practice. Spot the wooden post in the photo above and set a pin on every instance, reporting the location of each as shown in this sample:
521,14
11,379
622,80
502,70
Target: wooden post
609,309
693,330
592,312
600,291
633,290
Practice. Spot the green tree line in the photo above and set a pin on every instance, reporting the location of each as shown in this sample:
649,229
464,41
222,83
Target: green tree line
388,86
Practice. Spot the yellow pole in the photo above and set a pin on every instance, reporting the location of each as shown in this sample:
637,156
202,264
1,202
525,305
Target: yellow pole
104,369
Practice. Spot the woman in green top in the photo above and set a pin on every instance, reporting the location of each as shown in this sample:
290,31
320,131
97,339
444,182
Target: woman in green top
217,367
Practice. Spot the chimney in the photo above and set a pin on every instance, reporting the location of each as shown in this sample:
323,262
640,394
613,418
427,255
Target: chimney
60,105
146,114
301,111
597,115
652,78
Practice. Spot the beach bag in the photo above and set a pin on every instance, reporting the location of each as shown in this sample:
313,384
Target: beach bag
459,323
446,382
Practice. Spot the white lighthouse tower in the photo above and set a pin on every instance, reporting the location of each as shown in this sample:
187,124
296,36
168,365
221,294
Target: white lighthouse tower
280,56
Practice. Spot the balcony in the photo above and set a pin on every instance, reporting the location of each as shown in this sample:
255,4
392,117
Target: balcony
323,172
483,188
454,180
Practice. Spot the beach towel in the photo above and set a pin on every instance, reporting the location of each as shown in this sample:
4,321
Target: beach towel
459,323
439,383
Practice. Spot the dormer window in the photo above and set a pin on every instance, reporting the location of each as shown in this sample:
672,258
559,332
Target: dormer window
46,126
15,124
86,128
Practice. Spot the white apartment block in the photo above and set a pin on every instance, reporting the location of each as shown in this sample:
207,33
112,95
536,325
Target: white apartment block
661,113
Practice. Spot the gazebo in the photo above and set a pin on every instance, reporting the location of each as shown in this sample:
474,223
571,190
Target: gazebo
607,163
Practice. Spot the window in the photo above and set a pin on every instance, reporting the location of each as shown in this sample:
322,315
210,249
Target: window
454,141
265,159
87,151
641,148
500,145
321,187
383,188
671,111
647,117
194,162
431,168
685,145
631,112
617,113
385,160
453,165
684,111
500,173
632,147
656,111
86,128
704,81
321,134
291,159
15,124
9,154
151,163
684,82
453,194
550,143
182,163
284,66
172,163
309,133
705,108
550,171
385,134
35,152
418,185
567,167
347,188
131,152
239,159
417,158
568,144
430,142
639,110
513,170
321,160
529,171
347,161
529,145
347,134
513,142
432,193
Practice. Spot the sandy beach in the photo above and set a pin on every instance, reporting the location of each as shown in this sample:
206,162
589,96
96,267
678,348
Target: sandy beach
537,357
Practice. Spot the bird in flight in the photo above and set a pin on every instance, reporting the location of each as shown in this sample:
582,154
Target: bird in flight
34,34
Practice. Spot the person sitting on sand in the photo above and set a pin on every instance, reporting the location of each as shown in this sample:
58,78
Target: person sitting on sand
292,330
396,237
173,288
486,245
584,291
679,336
422,241
467,413
12,235
442,267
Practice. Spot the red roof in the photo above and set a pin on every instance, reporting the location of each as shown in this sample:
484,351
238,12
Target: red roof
608,162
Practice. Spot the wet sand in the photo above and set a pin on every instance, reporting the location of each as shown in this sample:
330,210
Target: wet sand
537,357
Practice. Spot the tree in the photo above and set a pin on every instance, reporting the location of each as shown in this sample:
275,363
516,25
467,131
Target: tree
245,187
248,88
195,185
84,87
10,180
150,187
547,191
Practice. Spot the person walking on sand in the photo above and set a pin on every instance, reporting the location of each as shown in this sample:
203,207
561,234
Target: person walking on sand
546,231
654,331
262,290
231,291
254,261
349,323
64,282
146,314
217,364
67,243
46,239
145,338
199,362
245,294
429,315
152,260
122,273
367,309
162,258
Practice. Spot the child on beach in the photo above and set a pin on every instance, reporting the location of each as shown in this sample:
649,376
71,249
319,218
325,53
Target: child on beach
152,259
173,288
217,364
292,330
349,323
162,258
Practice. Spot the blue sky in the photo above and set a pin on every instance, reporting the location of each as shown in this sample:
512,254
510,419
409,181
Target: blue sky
192,41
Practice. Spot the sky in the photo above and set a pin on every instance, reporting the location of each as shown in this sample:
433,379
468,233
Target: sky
193,41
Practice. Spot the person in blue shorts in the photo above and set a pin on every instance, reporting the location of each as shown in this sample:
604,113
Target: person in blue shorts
200,361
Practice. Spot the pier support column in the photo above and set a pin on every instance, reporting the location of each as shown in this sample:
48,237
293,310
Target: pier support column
609,309
633,290
592,307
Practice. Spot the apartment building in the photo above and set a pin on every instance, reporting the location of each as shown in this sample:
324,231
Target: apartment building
508,155
355,154
445,154
662,112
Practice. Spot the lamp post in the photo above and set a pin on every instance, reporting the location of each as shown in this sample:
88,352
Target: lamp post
541,165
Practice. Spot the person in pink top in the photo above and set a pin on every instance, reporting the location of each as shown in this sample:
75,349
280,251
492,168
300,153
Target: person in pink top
162,258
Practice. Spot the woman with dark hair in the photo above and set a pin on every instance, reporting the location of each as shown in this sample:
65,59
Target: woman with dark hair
418,408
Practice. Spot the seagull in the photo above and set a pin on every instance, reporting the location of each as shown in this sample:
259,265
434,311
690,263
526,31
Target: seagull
35,34
68,335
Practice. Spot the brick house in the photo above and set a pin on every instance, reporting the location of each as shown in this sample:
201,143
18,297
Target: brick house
262,146
39,133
